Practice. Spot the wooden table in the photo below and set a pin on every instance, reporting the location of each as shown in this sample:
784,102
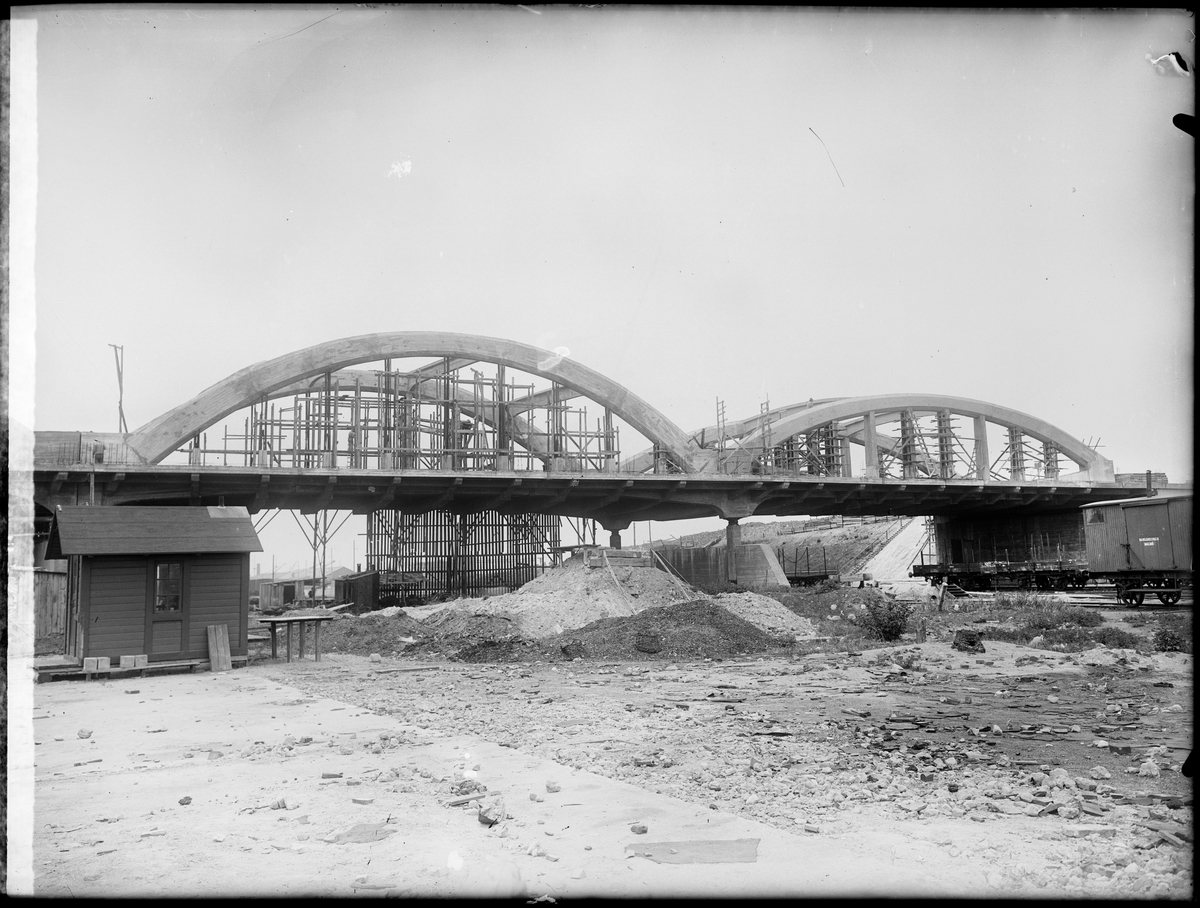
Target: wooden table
287,621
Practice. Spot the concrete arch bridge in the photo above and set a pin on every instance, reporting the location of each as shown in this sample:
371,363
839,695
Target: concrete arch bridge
483,423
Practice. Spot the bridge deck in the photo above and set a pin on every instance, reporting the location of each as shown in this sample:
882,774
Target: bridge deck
612,498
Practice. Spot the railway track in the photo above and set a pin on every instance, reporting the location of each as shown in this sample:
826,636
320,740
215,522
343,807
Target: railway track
1099,597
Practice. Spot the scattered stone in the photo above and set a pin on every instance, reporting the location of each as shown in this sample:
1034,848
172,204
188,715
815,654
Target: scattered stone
1149,769
639,829
184,802
1081,830
375,657
552,787
968,641
85,733
1099,772
363,800
492,813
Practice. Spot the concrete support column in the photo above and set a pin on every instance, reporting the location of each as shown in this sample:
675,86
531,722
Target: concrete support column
908,444
871,445
614,532
945,444
733,541
1050,460
982,458
1016,453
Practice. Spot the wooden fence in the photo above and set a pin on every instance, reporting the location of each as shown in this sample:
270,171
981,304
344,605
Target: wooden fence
49,602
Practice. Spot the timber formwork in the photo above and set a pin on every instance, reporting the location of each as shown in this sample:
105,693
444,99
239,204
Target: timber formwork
437,554
446,416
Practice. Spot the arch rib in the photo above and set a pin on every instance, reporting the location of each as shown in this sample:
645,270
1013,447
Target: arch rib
849,407
159,437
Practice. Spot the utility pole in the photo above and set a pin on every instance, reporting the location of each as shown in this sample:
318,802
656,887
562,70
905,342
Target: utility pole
119,356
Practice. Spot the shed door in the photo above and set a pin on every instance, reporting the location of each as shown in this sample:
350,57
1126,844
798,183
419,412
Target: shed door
167,627
1149,538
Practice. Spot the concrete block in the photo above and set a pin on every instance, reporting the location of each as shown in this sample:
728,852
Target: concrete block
128,661
141,661
89,664
103,663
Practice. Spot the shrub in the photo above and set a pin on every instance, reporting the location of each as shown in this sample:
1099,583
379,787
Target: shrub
886,619
1018,599
1168,641
1116,638
1007,634
1049,616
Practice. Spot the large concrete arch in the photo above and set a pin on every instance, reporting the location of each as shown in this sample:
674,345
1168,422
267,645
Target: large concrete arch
159,437
847,408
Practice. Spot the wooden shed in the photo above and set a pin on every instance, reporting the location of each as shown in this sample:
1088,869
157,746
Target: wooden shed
150,580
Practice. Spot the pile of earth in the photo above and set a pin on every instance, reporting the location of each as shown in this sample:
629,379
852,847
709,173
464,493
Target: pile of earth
698,629
567,597
766,614
371,633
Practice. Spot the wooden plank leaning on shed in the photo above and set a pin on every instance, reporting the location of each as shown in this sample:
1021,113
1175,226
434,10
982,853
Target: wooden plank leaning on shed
218,648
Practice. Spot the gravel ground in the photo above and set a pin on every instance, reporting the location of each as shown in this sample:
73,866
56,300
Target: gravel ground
833,743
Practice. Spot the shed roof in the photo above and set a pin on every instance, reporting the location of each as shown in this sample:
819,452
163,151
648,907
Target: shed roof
151,531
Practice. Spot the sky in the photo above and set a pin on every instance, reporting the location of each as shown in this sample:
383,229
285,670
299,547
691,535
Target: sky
702,204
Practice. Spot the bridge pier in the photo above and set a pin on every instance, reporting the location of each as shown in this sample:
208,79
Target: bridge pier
614,532
733,540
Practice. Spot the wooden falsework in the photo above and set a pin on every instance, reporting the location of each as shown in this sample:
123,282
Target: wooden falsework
218,648
421,555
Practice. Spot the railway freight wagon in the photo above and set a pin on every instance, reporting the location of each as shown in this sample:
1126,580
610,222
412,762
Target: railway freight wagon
1043,551
1142,545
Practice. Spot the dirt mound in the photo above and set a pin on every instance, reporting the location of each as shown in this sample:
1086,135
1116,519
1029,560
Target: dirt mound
697,629
562,599
766,614
371,634
464,622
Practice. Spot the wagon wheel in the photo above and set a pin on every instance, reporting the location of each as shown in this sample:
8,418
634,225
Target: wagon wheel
1061,582
1169,598
1133,597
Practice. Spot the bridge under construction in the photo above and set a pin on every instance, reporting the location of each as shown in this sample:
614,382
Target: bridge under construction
434,423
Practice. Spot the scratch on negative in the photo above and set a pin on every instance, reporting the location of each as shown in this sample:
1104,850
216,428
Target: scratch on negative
835,170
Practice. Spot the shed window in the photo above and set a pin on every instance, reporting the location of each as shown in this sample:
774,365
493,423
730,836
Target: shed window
1096,515
168,586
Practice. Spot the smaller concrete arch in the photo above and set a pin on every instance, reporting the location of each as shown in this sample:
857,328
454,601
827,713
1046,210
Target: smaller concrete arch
868,410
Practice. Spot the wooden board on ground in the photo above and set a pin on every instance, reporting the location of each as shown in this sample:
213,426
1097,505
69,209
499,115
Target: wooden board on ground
218,648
